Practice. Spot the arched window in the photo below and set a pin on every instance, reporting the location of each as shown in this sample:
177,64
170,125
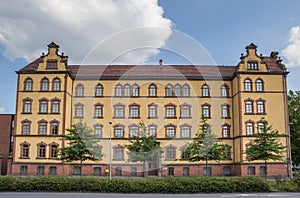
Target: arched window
186,90
53,150
133,130
134,111
225,111
119,111
177,89
98,111
226,131
54,127
185,131
98,130
79,90
152,110
249,106
27,105
259,85
169,90
24,150
98,90
248,85
170,152
260,106
170,110
42,127
118,152
44,84
127,90
28,84
78,110
260,127
26,127
43,105
206,110
205,90
41,150
135,90
185,111
152,129
56,84
249,128
152,90
118,90
170,131
224,91
55,103
119,131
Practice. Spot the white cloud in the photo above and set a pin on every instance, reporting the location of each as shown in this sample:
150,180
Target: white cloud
292,51
2,109
77,26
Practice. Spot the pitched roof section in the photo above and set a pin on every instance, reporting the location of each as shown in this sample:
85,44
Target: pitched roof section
152,71
273,64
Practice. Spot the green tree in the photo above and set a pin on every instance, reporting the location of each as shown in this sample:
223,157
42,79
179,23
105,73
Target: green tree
265,146
143,148
81,145
205,146
294,112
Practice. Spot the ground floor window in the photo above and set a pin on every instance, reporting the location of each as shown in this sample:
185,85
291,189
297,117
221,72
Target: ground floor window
207,170
97,171
133,171
24,170
262,170
52,170
226,170
171,171
118,171
251,170
41,170
77,170
186,171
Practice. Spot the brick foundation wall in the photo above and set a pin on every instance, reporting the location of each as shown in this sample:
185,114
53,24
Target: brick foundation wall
274,169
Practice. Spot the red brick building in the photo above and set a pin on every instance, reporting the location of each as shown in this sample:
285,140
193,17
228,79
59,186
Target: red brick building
6,132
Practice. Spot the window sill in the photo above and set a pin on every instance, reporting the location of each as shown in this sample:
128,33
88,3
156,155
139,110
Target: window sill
26,113
55,113
117,159
43,113
152,117
170,117
24,157
261,114
185,117
118,117
100,117
134,117
249,113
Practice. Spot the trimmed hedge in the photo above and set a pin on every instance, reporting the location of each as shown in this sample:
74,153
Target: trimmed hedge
139,185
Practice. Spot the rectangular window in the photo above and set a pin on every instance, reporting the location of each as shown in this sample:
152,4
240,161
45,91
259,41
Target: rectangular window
98,111
171,171
79,111
186,171
55,107
185,112
77,170
42,128
118,171
24,170
25,151
207,171
97,171
226,170
41,170
51,64
133,171
54,128
42,152
134,112
170,112
262,170
251,170
152,111
152,130
252,66
27,106
52,170
119,112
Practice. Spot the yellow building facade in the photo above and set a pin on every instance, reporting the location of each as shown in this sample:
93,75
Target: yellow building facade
170,99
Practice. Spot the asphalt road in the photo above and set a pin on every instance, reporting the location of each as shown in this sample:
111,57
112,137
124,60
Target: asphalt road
107,195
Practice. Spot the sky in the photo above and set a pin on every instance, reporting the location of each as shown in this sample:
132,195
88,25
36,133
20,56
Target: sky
204,32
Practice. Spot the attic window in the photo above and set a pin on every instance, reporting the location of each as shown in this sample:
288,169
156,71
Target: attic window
52,64
252,66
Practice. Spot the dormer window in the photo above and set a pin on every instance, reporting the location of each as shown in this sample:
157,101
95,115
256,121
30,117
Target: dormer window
52,64
252,65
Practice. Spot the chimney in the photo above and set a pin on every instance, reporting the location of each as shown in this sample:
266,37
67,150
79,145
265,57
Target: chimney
160,61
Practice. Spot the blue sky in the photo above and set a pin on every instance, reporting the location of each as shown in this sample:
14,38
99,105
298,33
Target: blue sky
221,27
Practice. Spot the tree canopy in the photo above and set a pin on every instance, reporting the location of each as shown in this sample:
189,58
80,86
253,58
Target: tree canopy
294,115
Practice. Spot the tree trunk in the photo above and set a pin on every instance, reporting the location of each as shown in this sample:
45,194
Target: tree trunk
80,168
206,165
146,168
266,169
